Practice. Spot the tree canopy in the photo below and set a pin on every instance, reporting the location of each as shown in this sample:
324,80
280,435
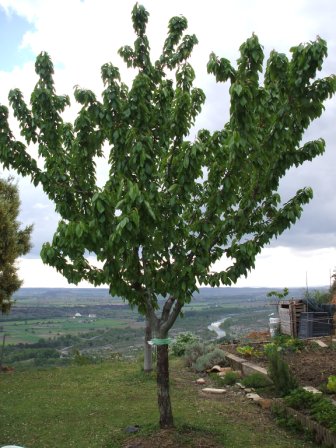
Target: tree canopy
14,242
171,206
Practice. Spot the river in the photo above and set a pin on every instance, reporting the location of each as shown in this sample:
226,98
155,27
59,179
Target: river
215,327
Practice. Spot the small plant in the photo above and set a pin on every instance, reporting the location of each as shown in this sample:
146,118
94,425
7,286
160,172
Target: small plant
210,359
284,342
331,385
249,351
182,341
256,380
302,399
283,380
230,378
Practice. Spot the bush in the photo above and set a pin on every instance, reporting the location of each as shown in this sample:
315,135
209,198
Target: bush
257,380
278,370
302,399
210,359
193,352
319,407
324,412
181,343
230,378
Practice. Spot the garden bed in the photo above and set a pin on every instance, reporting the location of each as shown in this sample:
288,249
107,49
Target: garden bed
310,364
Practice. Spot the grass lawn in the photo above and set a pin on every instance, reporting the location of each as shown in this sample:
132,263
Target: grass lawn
90,407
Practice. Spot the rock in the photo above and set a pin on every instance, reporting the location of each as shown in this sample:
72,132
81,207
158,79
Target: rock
312,389
248,390
215,369
200,381
254,397
132,429
212,390
241,385
265,403
320,343
224,371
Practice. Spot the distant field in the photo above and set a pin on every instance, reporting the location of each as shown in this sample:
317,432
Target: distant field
30,331
47,314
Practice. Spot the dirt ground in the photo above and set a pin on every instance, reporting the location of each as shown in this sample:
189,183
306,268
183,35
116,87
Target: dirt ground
312,366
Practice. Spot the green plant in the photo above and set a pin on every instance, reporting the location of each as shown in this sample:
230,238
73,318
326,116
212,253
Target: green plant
210,359
331,385
14,242
284,342
182,341
279,372
301,399
256,380
230,378
285,420
324,412
82,360
316,405
249,351
195,351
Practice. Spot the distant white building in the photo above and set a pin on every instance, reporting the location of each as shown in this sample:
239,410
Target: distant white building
77,315
93,316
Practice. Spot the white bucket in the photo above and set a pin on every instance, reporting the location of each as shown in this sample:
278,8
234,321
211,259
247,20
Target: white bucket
274,324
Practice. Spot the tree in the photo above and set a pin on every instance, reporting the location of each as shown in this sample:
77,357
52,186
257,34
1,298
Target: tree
13,242
171,207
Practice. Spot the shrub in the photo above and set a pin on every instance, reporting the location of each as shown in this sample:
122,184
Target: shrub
257,380
230,378
181,343
324,412
302,399
194,351
278,370
319,407
210,359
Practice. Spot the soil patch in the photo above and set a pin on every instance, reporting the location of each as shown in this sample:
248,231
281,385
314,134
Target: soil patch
173,439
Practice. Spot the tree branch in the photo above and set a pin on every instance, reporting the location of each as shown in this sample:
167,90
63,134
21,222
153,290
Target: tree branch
166,326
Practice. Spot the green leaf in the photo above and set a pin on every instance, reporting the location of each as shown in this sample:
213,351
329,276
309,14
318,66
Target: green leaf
79,229
149,209
100,206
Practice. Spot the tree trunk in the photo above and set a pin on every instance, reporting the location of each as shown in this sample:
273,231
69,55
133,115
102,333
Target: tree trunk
2,350
148,364
166,415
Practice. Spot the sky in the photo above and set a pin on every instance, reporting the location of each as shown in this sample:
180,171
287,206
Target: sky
80,36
